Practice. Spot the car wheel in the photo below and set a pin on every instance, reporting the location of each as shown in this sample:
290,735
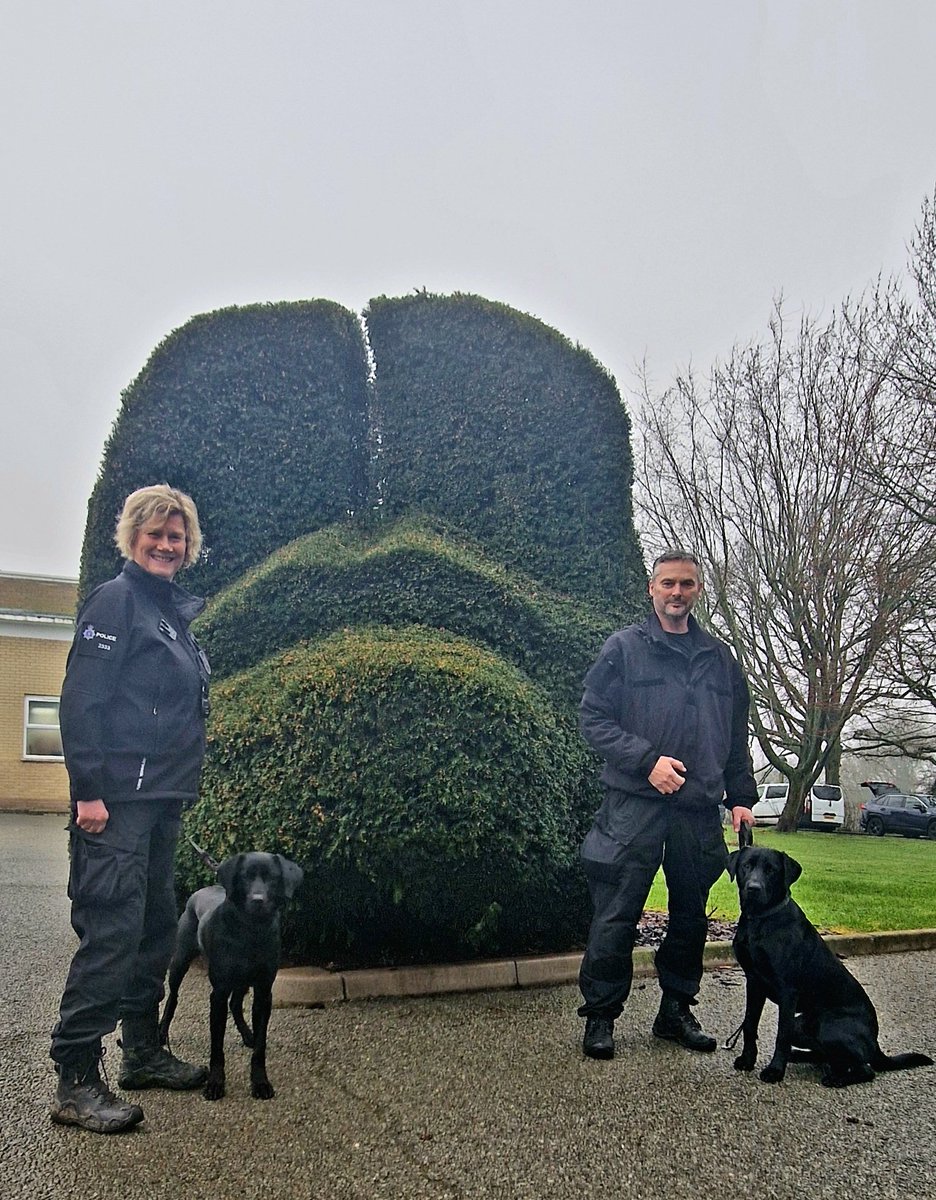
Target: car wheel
875,826
931,831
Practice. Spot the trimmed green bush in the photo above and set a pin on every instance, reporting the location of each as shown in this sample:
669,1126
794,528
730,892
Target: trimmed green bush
496,423
422,782
260,413
431,780
410,572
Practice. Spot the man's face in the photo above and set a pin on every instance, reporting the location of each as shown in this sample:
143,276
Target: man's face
674,589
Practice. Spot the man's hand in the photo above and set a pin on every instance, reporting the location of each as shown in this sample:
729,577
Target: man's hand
668,775
739,814
92,816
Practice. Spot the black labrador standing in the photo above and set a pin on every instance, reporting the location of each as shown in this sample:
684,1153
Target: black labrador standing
823,1009
236,926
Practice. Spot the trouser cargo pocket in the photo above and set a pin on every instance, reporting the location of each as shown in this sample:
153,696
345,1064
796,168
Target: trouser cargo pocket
626,836
99,873
602,857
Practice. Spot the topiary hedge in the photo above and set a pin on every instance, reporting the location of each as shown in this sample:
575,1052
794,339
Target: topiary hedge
497,424
261,414
422,782
404,573
477,485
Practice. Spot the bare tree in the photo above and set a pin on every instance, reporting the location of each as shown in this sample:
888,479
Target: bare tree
900,466
810,572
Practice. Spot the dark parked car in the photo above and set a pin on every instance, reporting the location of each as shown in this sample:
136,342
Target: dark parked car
895,812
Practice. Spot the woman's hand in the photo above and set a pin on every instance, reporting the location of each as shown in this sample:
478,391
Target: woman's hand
92,816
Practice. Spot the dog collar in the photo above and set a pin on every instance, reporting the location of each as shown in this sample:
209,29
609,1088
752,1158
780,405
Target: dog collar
769,912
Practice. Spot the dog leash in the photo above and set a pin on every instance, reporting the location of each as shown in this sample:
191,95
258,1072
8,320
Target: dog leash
745,839
204,856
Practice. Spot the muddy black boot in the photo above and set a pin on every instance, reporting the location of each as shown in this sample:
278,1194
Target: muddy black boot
147,1064
83,1099
598,1041
676,1023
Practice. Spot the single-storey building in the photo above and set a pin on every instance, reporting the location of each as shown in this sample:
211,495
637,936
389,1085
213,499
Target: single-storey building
37,624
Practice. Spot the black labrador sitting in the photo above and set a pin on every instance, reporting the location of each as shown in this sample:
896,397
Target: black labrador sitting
823,1009
236,926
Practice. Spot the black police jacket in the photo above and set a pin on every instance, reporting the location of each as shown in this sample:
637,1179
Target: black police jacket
134,699
644,698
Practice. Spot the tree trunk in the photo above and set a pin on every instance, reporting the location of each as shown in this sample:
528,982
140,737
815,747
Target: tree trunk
789,818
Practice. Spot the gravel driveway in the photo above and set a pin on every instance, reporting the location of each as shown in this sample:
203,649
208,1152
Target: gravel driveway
480,1095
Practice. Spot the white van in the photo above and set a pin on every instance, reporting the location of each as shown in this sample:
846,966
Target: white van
823,808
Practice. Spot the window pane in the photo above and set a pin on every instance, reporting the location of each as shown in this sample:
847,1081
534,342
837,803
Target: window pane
42,736
45,742
43,712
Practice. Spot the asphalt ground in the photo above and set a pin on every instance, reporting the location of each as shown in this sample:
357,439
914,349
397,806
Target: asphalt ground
477,1094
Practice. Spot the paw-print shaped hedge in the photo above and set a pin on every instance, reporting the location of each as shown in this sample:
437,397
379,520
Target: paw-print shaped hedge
417,535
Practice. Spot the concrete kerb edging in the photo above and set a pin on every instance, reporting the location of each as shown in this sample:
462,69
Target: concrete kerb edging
308,987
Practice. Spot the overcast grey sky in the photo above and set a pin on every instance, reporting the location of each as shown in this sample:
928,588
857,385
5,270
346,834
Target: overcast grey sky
644,177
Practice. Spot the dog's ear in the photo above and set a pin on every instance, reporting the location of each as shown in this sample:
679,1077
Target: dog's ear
292,875
791,870
228,870
733,863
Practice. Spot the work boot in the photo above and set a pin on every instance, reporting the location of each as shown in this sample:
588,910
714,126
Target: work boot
598,1041
147,1064
676,1023
82,1098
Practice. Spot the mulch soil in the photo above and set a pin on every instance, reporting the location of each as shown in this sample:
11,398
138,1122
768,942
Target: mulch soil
651,929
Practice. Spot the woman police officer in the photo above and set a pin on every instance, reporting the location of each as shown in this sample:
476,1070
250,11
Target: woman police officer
133,710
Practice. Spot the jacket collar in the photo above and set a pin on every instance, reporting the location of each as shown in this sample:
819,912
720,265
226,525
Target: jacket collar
702,640
164,591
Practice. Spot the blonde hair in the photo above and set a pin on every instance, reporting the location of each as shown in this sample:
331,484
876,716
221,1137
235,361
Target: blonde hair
160,500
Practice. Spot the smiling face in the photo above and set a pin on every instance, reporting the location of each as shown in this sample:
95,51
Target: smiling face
674,589
159,546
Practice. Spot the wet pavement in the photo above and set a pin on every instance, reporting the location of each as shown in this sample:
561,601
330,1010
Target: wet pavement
484,1094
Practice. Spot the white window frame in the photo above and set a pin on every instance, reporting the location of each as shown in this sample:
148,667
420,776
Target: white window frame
27,726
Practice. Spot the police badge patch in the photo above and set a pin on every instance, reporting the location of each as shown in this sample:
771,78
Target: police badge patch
95,641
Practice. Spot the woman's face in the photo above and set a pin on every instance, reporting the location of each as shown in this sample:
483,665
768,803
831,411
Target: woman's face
159,546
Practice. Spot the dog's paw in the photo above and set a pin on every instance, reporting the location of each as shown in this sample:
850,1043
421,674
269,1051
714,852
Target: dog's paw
262,1089
744,1062
772,1074
214,1088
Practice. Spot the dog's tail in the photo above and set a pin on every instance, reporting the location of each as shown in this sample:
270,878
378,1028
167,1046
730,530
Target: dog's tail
898,1062
204,856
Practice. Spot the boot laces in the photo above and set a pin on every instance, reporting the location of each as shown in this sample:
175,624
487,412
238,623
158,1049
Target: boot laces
94,1079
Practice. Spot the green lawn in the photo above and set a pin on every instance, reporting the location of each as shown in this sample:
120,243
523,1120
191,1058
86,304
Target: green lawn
850,883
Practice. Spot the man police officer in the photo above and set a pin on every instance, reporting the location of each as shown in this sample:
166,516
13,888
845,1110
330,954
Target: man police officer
666,707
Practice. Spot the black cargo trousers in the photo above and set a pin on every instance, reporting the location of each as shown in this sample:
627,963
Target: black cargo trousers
121,885
622,852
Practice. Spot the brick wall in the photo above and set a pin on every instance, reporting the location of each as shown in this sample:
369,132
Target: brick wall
34,642
29,667
30,593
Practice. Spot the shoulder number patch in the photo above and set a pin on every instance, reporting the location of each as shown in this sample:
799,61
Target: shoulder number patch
96,641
